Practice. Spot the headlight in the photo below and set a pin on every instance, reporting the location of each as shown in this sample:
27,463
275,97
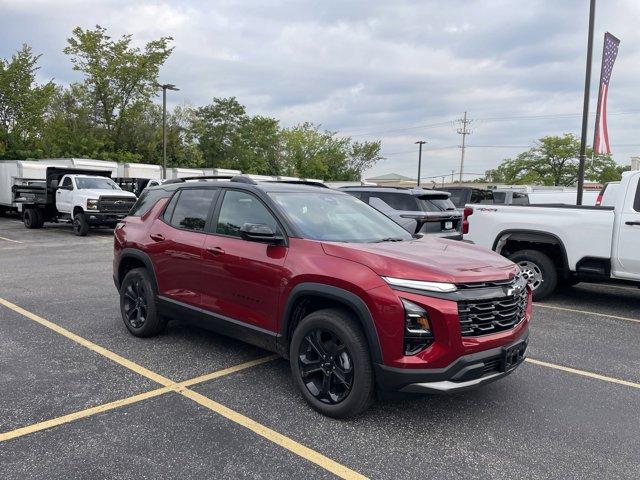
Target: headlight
417,328
92,204
420,285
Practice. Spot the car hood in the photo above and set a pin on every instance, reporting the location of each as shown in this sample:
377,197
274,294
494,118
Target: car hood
97,192
427,259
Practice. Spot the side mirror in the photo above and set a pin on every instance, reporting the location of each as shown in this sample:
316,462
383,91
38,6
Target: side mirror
259,232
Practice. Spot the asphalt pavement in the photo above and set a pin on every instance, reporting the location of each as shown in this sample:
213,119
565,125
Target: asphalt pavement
82,398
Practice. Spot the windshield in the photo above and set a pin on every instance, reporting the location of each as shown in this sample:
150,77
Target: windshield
338,218
97,183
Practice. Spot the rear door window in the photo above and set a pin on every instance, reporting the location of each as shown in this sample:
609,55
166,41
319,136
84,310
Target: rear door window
519,198
397,201
636,203
191,209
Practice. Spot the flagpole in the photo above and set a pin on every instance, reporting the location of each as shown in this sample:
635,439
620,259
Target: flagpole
585,105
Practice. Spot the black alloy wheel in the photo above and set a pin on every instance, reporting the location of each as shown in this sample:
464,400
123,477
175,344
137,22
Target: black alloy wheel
135,304
325,366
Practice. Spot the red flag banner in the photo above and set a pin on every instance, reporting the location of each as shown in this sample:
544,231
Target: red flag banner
609,54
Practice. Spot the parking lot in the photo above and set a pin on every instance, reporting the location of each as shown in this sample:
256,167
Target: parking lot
81,397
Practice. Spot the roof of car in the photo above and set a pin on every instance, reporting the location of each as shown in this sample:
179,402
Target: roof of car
236,182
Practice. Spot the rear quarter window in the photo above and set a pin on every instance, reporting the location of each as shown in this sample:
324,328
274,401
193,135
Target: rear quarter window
146,201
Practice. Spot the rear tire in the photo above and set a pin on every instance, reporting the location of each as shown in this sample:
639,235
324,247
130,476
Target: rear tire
341,359
32,218
138,304
539,270
80,224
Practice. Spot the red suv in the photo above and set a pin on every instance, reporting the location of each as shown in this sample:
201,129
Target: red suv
351,298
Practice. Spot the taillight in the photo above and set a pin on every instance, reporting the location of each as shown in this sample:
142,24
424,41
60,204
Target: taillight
599,200
465,223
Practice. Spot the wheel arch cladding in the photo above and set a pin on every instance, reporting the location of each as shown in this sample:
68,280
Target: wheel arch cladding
130,259
306,298
534,237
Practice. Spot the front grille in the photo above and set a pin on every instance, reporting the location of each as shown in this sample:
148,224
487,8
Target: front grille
115,204
483,317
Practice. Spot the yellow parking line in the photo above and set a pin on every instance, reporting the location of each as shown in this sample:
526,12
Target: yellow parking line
564,309
275,437
139,369
54,422
177,388
583,373
9,240
236,417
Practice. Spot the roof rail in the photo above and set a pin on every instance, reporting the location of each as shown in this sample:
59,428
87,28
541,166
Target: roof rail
232,178
300,182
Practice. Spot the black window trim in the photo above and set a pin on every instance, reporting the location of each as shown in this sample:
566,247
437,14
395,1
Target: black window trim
211,226
636,202
178,191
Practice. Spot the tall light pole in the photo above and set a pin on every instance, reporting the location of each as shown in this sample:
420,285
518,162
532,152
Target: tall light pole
419,142
585,105
165,87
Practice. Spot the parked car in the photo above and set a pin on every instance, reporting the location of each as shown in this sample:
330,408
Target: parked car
607,196
415,209
351,298
461,196
83,198
566,244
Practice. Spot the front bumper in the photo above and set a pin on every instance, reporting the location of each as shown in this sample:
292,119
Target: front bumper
103,218
465,373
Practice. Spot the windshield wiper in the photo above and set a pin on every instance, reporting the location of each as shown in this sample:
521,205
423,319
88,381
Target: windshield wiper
389,239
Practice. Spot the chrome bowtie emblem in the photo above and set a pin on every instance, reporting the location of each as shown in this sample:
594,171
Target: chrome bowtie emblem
118,202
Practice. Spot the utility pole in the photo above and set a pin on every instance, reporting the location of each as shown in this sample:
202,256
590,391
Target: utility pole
420,143
165,87
585,105
452,173
464,131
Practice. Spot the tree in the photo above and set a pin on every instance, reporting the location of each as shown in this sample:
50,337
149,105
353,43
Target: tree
554,161
118,77
22,105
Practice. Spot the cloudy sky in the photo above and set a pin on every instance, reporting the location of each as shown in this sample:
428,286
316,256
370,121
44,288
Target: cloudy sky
396,70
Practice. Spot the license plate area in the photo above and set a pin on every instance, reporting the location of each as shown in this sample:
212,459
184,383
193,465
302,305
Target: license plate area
513,355
448,225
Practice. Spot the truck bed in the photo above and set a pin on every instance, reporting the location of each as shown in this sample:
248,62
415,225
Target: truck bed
585,231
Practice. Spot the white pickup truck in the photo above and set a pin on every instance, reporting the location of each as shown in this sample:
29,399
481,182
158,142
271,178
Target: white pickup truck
82,197
565,244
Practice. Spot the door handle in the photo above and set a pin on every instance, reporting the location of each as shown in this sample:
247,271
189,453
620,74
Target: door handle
632,223
215,250
158,237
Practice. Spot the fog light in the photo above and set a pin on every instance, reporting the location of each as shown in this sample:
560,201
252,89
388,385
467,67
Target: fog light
417,328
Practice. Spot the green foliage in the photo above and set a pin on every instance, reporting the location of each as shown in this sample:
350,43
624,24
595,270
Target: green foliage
554,161
22,105
119,79
112,115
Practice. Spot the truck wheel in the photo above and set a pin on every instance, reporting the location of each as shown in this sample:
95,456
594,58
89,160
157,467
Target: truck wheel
80,225
31,218
330,363
539,270
138,304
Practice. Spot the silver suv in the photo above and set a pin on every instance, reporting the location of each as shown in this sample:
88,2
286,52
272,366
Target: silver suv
417,210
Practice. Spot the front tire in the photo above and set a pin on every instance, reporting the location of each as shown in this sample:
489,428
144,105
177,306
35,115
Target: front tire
331,365
138,304
80,224
539,270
